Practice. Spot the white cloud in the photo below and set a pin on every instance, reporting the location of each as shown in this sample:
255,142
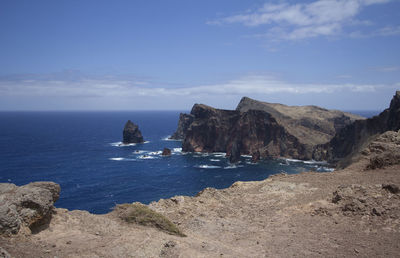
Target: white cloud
305,20
254,84
388,69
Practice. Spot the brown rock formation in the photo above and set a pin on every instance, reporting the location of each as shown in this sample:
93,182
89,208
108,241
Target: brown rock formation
166,152
27,207
273,130
183,124
131,133
347,144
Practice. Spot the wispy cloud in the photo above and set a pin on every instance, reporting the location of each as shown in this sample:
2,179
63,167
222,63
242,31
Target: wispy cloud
388,69
286,21
103,88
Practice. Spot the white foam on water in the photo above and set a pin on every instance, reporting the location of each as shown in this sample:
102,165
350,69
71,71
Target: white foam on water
207,166
139,152
155,153
219,154
116,159
293,160
146,157
168,139
121,144
315,162
215,160
179,150
231,167
325,169
254,163
246,156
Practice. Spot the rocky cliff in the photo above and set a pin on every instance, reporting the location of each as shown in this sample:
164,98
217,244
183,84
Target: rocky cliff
260,129
183,124
131,133
347,144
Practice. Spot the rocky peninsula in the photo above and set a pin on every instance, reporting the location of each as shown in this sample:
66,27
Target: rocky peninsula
350,212
260,129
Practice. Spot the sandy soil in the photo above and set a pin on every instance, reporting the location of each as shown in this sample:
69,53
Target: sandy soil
282,216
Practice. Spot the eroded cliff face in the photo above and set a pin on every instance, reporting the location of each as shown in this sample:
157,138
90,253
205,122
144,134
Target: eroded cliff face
347,144
237,133
260,129
183,124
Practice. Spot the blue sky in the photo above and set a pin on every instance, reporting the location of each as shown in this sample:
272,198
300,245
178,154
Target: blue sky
168,55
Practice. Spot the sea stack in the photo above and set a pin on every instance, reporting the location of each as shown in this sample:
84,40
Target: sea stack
131,133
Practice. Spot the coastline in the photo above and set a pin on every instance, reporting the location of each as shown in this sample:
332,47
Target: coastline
283,215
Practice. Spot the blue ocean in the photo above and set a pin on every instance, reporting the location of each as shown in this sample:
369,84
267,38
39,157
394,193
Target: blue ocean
82,152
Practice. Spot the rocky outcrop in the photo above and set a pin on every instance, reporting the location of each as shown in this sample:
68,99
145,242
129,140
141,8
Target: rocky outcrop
27,207
131,133
237,133
383,151
183,124
311,125
346,145
260,129
166,152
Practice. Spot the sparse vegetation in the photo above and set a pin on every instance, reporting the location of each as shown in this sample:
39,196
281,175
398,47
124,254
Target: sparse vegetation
143,215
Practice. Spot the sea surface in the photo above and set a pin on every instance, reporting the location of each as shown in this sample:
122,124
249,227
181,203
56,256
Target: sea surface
82,152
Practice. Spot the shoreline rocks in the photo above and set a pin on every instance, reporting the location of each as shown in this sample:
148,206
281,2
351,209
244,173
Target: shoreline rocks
131,133
166,152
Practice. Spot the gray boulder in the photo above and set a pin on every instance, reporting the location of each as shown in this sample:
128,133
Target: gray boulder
27,206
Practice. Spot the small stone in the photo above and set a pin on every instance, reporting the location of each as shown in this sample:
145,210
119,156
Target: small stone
69,242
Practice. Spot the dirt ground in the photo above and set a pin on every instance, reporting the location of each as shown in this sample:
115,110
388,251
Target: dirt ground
350,212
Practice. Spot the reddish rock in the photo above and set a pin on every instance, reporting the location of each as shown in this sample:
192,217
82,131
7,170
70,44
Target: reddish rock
166,152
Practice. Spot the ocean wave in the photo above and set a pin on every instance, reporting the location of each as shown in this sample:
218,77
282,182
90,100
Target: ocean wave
168,139
116,159
155,153
306,161
215,160
121,144
325,169
146,157
232,166
179,150
246,156
139,152
219,154
207,166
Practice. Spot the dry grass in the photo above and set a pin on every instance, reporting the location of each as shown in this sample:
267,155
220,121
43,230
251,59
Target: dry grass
143,215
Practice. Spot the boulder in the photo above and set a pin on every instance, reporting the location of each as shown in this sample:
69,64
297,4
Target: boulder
131,133
27,206
166,152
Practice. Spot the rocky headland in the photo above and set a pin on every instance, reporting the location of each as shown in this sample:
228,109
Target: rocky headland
346,146
261,129
131,133
350,212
